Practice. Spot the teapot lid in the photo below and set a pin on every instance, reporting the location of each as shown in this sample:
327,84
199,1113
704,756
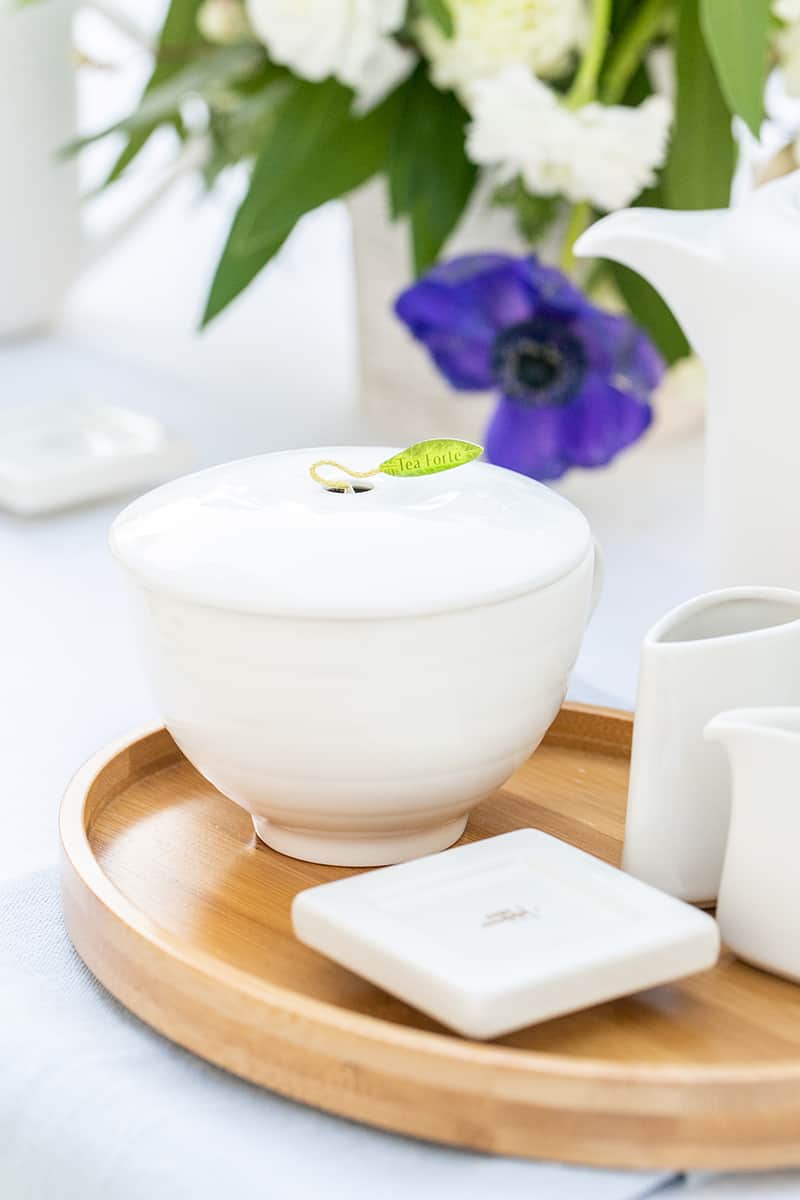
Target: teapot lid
259,535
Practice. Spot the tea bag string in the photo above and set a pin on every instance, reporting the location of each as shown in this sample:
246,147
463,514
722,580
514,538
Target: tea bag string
335,484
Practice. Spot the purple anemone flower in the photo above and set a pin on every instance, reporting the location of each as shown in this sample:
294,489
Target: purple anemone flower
574,381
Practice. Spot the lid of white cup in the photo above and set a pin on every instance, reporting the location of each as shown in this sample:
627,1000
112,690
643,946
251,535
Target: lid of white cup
259,535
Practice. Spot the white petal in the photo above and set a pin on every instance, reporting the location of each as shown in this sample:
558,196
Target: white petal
490,35
787,45
787,10
518,127
620,150
319,38
387,67
391,14
605,155
308,36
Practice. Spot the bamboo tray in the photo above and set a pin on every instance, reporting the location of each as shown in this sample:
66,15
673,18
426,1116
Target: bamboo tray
185,919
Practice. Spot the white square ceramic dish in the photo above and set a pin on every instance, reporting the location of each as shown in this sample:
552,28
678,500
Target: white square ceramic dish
506,932
66,452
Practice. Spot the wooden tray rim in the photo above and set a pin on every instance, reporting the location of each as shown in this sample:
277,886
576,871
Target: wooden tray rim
75,820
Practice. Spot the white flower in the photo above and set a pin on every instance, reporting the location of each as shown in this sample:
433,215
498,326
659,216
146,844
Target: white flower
604,155
223,21
349,39
492,34
787,43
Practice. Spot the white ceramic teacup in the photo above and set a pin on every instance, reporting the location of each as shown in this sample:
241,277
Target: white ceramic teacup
725,649
357,671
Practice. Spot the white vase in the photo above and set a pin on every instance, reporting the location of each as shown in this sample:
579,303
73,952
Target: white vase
402,393
43,246
39,216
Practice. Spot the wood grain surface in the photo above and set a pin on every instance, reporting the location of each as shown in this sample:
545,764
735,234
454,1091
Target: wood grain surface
184,917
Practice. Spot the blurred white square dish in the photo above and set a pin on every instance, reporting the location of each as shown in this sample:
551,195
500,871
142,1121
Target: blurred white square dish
60,453
506,932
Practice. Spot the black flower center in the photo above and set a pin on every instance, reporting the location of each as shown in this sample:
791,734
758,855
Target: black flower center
539,363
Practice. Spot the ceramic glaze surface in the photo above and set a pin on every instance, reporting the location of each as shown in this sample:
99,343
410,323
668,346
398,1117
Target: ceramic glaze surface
759,895
492,937
261,536
730,277
739,646
357,740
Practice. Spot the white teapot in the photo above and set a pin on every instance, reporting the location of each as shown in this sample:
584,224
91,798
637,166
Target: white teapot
732,279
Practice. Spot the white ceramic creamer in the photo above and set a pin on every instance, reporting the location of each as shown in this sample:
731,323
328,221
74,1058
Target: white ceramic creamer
759,897
357,670
738,646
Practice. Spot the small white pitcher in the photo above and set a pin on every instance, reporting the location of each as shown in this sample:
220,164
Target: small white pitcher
759,896
726,649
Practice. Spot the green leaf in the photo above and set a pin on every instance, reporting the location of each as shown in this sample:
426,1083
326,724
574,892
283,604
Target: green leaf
236,134
317,151
430,176
533,213
737,38
210,73
439,13
178,33
648,310
314,151
630,41
235,271
643,302
427,458
620,12
702,156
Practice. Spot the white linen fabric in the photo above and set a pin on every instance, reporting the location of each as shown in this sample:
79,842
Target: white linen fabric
93,1103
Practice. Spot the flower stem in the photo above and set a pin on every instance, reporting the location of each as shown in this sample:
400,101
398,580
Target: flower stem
630,49
578,220
584,85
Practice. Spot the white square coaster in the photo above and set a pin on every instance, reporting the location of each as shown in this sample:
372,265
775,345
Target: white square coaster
66,452
506,932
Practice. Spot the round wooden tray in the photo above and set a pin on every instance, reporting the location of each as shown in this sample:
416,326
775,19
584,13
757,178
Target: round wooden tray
184,917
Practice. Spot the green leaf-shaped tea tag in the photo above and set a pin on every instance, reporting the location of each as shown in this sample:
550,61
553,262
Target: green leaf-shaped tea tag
426,458
423,458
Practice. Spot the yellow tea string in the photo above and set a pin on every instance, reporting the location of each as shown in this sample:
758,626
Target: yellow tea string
336,484
423,458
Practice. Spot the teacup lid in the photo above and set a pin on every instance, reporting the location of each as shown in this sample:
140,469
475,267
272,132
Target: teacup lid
259,535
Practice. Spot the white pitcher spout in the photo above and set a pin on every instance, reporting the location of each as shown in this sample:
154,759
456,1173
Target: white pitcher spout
677,252
742,725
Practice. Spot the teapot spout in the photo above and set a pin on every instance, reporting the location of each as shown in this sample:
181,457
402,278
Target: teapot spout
677,252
